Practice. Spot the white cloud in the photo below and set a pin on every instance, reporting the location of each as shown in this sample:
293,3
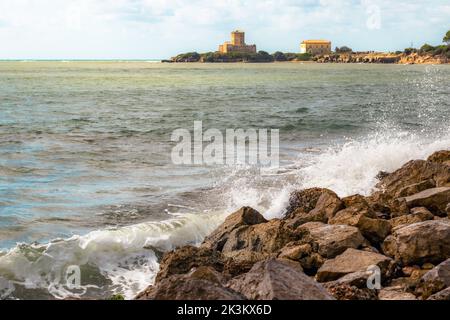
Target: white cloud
160,28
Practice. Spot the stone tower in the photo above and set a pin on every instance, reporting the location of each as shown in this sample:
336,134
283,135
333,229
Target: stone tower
238,38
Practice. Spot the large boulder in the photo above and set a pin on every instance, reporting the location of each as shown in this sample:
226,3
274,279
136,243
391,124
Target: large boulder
435,200
333,240
435,280
442,157
277,280
417,215
314,204
195,286
414,174
267,237
418,243
375,230
245,216
353,261
184,259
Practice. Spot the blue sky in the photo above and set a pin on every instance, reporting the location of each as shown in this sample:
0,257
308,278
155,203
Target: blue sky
145,29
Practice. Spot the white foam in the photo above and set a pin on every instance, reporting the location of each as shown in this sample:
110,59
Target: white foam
124,256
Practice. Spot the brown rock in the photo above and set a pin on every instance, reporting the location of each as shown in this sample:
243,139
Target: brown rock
395,293
342,291
375,230
435,280
421,242
246,216
241,261
411,173
353,261
267,237
416,188
312,205
277,280
443,295
435,200
442,157
417,215
333,240
184,287
182,260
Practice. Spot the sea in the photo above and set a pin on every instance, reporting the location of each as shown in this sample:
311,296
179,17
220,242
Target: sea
88,188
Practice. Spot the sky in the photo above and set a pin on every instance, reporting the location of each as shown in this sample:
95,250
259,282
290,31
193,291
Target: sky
158,29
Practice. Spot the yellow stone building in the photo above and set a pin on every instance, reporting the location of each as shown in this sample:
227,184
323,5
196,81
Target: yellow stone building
237,44
316,47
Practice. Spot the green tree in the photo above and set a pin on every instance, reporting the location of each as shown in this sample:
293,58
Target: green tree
279,56
447,38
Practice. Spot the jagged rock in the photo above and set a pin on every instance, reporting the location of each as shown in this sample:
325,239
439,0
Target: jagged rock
353,261
294,251
417,215
421,242
267,237
435,200
435,280
333,240
413,172
184,259
303,253
375,230
416,188
395,293
246,216
352,286
315,204
184,287
277,280
441,295
342,291
241,262
442,157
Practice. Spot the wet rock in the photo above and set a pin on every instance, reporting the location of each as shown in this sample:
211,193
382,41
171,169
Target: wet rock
417,215
375,230
441,157
435,280
246,216
421,242
267,237
277,280
435,200
353,261
413,172
184,259
333,240
315,204
395,293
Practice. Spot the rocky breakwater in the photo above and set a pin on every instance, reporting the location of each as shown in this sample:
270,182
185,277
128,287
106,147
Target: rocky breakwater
383,58
326,247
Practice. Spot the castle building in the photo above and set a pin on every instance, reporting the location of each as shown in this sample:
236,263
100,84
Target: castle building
316,47
237,44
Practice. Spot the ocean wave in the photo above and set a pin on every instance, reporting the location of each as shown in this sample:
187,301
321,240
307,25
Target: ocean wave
122,260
